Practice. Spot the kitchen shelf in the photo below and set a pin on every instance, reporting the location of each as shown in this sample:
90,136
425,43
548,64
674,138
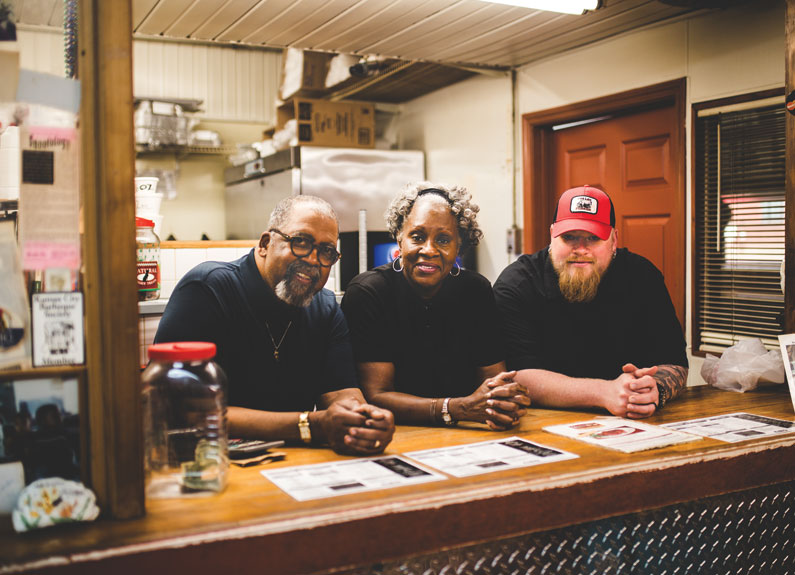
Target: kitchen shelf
7,206
183,151
187,105
42,372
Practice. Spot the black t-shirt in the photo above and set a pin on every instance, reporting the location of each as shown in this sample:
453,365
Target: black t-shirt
434,345
229,304
631,319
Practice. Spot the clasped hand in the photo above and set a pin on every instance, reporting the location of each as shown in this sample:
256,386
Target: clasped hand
357,428
633,394
499,402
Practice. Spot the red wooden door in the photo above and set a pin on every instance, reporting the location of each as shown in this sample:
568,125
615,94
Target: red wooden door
636,160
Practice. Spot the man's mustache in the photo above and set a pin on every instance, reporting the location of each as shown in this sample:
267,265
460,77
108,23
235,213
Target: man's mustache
304,268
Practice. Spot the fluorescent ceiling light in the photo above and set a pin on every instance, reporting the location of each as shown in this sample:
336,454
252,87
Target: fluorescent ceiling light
565,6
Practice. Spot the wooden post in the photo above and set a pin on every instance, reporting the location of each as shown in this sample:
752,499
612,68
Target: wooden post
789,246
108,171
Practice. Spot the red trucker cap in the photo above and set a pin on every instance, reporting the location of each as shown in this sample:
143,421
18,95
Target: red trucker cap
584,208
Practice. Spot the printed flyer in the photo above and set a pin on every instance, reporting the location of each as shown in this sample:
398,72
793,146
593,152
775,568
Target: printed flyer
621,434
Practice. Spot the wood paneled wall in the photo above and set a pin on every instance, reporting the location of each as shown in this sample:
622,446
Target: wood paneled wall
236,84
42,50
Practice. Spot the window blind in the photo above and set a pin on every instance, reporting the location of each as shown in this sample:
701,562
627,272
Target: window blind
739,211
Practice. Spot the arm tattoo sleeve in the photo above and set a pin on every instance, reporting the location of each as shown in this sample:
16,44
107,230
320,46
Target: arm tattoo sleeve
672,377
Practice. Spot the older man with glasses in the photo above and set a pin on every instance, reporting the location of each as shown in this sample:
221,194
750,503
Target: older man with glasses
281,338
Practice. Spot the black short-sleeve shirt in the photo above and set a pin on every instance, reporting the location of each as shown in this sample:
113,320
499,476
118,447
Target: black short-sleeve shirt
434,345
229,304
631,319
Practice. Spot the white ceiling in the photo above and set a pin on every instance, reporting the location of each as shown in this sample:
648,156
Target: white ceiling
463,32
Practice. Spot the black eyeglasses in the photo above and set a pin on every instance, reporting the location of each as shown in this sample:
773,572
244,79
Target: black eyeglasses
327,255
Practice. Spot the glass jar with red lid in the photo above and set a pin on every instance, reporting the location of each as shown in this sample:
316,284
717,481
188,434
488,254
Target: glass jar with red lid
185,430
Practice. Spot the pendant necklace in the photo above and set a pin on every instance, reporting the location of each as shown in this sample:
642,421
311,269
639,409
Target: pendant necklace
273,341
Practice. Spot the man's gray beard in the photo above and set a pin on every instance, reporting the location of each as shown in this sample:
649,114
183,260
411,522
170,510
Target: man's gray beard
297,295
576,287
293,297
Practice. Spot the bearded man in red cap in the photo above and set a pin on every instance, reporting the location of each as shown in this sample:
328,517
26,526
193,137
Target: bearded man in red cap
587,324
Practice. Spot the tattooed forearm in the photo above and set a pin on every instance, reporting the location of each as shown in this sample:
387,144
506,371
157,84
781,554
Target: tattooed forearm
672,377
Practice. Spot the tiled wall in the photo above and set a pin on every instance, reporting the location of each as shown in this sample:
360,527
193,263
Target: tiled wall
147,327
175,263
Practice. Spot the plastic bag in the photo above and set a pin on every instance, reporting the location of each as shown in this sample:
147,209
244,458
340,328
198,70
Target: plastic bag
743,366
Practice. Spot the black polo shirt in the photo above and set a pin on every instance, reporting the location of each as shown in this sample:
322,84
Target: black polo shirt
229,304
435,345
631,319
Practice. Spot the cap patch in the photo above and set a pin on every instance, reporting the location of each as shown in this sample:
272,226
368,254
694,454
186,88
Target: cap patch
584,205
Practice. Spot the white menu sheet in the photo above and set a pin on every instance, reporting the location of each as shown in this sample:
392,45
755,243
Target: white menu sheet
734,427
320,480
621,434
488,456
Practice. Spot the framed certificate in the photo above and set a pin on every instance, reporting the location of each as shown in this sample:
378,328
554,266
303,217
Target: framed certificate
58,329
787,343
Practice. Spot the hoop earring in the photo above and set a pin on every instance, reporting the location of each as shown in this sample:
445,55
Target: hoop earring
401,264
456,267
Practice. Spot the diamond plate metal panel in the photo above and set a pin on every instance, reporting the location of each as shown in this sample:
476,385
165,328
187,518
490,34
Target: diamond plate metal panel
746,533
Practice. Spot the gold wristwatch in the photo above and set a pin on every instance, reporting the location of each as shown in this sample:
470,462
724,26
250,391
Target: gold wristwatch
303,428
446,417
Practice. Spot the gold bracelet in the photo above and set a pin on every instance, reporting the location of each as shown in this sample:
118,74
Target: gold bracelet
433,410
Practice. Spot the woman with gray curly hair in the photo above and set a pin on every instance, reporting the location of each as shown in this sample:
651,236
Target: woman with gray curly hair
424,330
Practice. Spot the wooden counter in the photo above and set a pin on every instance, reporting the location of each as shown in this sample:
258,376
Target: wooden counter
254,523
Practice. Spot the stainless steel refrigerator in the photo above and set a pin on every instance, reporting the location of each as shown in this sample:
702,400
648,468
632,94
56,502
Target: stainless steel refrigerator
349,179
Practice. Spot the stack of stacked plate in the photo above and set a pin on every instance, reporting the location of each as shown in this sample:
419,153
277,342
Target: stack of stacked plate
147,201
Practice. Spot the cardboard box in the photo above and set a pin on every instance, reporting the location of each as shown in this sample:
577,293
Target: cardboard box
324,123
304,73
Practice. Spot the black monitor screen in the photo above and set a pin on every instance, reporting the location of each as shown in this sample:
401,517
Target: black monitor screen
378,250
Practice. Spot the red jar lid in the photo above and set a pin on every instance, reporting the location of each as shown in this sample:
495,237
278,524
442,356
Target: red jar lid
143,223
182,351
